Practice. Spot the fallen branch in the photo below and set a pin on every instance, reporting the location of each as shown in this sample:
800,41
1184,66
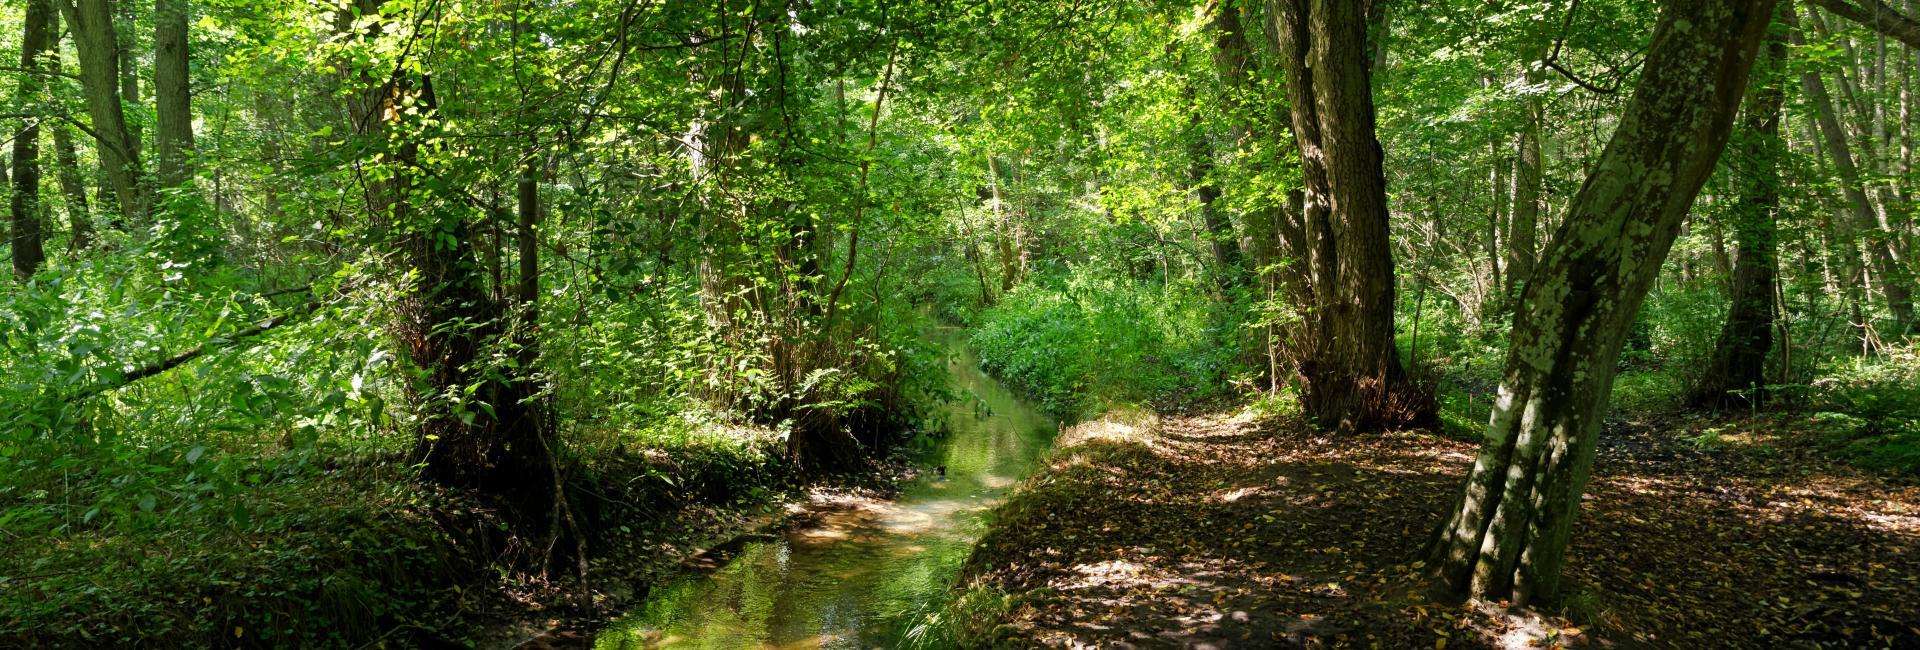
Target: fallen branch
210,345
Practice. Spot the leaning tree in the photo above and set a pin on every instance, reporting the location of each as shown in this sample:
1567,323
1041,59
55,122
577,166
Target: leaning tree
1508,535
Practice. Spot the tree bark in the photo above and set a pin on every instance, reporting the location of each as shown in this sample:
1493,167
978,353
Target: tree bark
119,152
1508,535
1499,189
1736,375
35,45
73,187
173,108
1888,272
1350,371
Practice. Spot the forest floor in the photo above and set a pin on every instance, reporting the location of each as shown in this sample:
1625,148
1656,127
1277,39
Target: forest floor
1216,530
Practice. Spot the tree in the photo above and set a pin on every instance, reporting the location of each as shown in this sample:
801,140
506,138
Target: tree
1507,537
1736,374
67,162
98,44
480,427
1223,246
1274,246
35,44
1528,175
173,108
1350,372
1892,276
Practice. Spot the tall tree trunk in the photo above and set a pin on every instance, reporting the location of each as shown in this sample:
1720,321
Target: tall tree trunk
1736,376
72,186
1892,276
1350,369
173,110
1002,229
97,42
1843,272
1528,175
478,429
1508,535
526,188
35,45
1270,229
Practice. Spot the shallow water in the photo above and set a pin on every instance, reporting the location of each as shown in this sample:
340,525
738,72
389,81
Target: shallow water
851,578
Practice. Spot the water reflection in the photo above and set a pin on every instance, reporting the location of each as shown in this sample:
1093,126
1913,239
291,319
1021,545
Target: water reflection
846,580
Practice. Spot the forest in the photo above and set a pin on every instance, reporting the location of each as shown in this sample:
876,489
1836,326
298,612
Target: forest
959,324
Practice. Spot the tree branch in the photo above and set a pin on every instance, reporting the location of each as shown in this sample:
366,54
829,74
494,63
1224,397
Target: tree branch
1877,15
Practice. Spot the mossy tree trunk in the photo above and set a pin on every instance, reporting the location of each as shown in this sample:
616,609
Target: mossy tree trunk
1507,537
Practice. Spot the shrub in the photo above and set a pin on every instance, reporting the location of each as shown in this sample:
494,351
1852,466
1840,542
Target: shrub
1082,340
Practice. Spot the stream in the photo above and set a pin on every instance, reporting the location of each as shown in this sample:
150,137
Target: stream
855,573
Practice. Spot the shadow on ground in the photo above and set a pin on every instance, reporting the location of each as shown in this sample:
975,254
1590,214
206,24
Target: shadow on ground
1222,532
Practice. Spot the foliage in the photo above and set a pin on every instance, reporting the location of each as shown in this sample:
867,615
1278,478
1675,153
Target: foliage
1083,341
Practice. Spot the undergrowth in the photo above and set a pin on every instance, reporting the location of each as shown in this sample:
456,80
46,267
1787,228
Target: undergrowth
1081,341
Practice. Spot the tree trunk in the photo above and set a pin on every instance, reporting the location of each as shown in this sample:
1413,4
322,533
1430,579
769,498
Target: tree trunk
1272,269
1736,376
72,186
28,251
1528,175
526,189
1508,535
119,152
173,111
1002,230
1499,190
1890,274
479,428
1350,370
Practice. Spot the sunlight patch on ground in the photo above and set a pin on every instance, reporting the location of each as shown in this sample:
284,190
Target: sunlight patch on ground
1119,425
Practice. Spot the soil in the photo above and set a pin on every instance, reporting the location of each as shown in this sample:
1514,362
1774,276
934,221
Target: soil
1215,530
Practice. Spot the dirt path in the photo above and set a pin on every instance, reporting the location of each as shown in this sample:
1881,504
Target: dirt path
1220,532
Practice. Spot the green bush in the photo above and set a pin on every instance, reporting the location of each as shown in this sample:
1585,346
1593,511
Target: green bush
1082,340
